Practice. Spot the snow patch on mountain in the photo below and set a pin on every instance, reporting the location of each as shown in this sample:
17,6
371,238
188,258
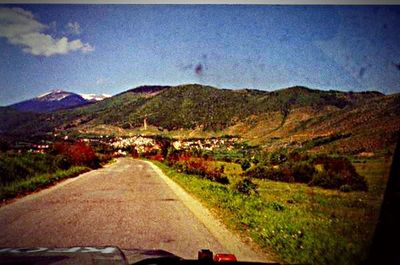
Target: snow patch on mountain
95,97
54,95
57,99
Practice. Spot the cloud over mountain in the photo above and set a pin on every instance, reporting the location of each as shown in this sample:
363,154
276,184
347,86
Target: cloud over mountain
20,27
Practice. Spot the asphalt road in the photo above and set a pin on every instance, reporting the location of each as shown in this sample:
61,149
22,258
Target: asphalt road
127,204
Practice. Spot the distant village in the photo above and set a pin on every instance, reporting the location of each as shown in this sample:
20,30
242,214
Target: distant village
122,145
144,144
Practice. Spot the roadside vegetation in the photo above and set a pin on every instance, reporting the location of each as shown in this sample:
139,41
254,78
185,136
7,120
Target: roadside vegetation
298,222
305,208
200,166
332,172
326,171
22,173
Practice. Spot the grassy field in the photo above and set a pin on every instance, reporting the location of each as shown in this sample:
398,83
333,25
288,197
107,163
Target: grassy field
296,222
21,173
37,182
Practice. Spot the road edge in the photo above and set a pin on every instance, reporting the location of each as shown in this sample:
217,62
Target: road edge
225,237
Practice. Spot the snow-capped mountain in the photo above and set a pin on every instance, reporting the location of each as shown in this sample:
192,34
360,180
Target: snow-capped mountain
52,101
55,95
95,97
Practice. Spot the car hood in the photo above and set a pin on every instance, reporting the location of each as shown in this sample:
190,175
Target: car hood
80,255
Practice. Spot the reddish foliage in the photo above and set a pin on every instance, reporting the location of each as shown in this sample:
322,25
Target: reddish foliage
77,153
61,147
157,157
184,157
175,157
198,166
81,154
134,153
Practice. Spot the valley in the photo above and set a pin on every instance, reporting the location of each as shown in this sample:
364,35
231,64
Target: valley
293,116
288,170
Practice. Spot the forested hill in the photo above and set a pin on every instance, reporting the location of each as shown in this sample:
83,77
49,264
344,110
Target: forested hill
257,115
191,106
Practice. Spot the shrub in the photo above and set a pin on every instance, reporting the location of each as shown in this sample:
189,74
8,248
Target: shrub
196,166
258,171
245,164
283,173
184,162
246,186
358,183
335,172
12,169
172,156
134,153
286,173
165,144
303,171
149,152
62,162
157,157
218,178
60,147
338,171
323,179
83,155
104,158
78,153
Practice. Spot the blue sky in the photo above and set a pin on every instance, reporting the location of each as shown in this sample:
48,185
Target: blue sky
112,48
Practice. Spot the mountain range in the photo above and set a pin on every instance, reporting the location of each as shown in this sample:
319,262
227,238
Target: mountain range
331,121
56,100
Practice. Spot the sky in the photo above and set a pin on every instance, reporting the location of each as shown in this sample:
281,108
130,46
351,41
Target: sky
111,48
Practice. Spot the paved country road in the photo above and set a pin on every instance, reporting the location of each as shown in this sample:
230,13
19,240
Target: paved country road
129,204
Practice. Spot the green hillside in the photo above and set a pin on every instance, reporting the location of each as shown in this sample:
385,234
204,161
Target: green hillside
22,123
192,106
295,115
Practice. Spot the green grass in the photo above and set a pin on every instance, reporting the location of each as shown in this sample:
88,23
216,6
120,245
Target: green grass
376,171
298,223
36,182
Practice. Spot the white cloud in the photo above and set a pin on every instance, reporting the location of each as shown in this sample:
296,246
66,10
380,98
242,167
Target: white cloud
74,28
20,27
